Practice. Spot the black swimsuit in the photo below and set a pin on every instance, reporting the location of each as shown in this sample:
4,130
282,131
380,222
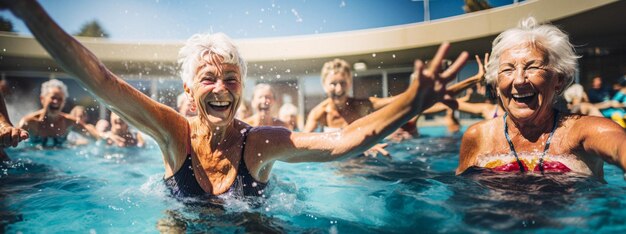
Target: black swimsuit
184,184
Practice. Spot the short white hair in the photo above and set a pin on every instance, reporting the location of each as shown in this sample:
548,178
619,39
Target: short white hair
288,109
562,58
190,55
53,83
263,86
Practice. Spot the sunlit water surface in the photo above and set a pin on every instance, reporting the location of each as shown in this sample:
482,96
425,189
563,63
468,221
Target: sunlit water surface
107,190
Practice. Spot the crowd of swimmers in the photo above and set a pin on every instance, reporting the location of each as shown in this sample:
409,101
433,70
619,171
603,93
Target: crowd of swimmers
212,144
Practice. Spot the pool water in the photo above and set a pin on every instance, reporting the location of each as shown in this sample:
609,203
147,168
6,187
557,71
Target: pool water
99,189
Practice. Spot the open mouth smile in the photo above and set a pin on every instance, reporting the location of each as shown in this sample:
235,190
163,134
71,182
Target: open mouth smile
219,106
524,97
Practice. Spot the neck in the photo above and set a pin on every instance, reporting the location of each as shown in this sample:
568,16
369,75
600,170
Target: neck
50,115
340,103
215,135
263,118
534,129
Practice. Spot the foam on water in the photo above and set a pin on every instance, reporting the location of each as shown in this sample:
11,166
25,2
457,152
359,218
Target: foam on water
102,189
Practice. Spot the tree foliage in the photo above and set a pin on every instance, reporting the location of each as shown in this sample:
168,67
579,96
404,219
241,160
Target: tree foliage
92,29
6,25
476,5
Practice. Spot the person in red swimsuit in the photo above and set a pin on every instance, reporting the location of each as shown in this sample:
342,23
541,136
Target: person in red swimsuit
529,67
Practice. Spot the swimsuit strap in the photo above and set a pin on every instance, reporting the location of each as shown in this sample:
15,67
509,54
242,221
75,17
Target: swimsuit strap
545,150
508,139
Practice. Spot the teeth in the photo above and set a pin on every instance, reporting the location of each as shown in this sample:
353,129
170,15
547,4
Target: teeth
523,95
220,104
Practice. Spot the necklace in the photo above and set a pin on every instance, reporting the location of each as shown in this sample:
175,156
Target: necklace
512,147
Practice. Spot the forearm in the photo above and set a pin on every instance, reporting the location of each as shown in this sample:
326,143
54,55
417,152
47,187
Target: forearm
91,73
472,108
457,88
369,130
4,114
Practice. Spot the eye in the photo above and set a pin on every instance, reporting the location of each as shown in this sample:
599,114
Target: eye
207,80
506,71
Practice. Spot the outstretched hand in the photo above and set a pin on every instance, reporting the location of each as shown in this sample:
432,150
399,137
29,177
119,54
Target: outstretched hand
432,81
10,136
377,149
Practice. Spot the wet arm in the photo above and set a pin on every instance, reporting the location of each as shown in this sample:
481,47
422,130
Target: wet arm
313,119
132,105
473,108
9,136
427,89
470,147
605,138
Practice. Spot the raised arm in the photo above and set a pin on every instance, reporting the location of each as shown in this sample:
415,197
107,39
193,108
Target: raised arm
453,90
135,107
314,117
9,136
457,88
427,88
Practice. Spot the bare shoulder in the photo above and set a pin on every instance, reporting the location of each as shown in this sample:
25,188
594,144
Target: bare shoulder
319,110
31,117
480,128
473,142
591,125
68,118
268,142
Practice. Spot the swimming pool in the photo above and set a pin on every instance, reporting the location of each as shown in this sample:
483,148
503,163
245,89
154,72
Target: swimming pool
101,189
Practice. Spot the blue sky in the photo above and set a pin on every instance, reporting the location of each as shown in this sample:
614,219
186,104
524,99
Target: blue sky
146,20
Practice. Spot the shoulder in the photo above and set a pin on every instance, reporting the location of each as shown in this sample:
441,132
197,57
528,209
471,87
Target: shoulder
478,133
474,132
31,116
264,138
318,110
68,118
590,125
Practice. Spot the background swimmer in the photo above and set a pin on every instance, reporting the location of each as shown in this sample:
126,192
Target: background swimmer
49,126
529,67
213,153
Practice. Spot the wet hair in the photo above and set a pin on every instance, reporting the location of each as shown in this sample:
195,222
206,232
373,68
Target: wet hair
53,83
562,58
198,45
336,66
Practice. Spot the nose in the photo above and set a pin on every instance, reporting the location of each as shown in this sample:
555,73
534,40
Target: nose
220,86
338,88
519,77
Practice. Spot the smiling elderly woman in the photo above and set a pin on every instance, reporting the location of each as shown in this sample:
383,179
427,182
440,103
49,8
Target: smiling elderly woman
214,153
529,67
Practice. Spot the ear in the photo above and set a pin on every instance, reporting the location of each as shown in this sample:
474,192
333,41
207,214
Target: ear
560,84
190,96
188,92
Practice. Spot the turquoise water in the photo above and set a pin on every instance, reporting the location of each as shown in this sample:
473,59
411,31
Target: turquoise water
108,190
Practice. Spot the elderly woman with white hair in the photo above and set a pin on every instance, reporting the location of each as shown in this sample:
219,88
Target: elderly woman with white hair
214,153
263,100
49,126
529,68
